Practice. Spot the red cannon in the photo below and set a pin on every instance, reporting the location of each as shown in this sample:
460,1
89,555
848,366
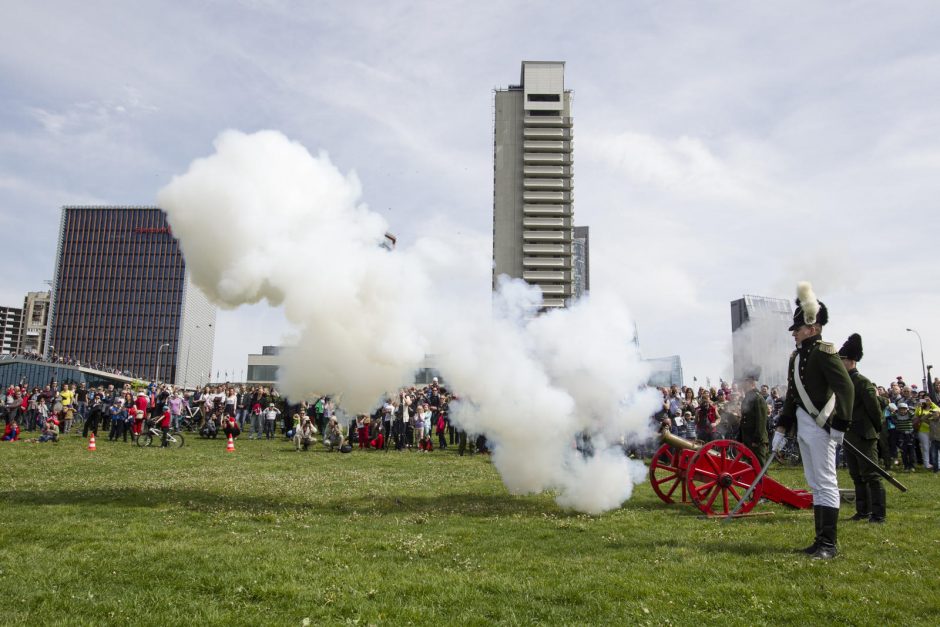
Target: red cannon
714,477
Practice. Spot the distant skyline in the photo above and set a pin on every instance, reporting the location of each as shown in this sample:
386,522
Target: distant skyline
722,149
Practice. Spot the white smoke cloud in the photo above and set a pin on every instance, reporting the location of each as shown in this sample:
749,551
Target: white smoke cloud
264,220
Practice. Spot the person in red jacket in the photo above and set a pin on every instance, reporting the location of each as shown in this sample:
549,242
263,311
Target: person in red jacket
165,427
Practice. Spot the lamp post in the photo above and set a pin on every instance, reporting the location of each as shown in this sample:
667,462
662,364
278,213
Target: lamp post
156,375
923,366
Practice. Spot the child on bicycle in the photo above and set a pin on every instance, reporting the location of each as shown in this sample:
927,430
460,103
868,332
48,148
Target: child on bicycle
165,427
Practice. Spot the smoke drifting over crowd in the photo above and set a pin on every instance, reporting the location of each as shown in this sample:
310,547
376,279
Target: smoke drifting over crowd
264,220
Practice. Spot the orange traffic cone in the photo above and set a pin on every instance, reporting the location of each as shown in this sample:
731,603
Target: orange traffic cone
230,447
91,443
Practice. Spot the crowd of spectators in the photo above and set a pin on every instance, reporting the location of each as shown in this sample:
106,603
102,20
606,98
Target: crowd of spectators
910,436
415,418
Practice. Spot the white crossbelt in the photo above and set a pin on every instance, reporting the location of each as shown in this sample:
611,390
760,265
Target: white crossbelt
821,416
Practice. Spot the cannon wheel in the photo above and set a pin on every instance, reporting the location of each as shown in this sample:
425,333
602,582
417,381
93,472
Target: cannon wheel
718,476
666,475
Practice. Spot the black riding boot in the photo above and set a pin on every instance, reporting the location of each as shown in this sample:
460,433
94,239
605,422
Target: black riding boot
878,505
862,502
817,516
827,537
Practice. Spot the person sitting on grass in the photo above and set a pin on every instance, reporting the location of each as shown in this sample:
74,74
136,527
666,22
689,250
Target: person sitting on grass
425,445
333,437
50,432
211,428
304,434
12,431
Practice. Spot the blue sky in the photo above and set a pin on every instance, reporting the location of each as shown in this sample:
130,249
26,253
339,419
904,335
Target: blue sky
721,148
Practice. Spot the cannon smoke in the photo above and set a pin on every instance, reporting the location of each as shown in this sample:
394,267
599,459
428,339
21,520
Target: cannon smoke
262,219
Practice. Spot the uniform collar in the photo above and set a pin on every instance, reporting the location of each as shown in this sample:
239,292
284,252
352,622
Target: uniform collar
809,342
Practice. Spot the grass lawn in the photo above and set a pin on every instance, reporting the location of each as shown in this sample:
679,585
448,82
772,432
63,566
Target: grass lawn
270,536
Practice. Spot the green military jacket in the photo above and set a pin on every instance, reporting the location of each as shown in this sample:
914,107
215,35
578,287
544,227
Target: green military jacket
753,418
822,374
866,411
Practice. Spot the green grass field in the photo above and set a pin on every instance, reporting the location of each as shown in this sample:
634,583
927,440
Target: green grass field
270,536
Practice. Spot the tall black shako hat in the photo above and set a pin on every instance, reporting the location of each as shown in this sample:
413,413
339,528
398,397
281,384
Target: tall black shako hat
852,349
808,309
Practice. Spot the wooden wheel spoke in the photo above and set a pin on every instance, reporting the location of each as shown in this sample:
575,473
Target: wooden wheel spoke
711,499
724,498
714,464
734,492
665,479
673,488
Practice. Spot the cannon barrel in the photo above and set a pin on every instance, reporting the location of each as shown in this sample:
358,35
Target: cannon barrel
676,442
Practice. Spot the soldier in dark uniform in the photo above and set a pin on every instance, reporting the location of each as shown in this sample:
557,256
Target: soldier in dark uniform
863,434
753,432
819,401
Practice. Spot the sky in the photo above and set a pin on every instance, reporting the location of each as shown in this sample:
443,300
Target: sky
721,148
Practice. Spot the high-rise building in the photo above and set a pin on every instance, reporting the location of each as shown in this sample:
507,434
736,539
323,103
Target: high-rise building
759,337
35,325
532,182
581,262
10,321
122,298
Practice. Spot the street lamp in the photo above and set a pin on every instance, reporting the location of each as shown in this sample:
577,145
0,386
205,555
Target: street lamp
923,367
156,375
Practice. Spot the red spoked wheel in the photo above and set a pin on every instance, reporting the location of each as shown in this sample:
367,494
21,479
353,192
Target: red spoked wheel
667,473
718,476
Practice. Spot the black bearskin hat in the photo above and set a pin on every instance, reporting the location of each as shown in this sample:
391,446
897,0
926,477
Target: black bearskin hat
852,349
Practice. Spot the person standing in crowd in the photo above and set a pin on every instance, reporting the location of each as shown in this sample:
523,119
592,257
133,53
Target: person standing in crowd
904,427
165,422
257,420
925,412
753,431
176,410
818,405
94,417
81,399
707,419
270,417
863,434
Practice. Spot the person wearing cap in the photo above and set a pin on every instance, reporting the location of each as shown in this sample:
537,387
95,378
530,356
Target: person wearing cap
753,429
925,412
904,427
818,405
863,434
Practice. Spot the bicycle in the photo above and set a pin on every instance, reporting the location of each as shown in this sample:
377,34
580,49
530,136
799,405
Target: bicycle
151,432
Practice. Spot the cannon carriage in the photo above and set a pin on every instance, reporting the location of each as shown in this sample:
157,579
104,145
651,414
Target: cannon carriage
714,477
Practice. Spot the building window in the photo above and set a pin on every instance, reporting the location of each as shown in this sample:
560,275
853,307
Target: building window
543,97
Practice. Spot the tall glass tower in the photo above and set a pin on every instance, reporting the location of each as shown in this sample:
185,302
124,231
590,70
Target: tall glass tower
122,297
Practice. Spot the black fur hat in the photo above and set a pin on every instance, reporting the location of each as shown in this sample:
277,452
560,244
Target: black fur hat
852,349
809,310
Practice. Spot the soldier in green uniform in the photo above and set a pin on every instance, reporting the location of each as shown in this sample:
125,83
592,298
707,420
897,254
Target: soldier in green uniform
819,402
753,433
863,434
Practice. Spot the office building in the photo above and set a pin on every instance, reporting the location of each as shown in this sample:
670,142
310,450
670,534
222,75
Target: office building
122,298
263,368
532,182
665,371
35,325
11,319
581,262
759,337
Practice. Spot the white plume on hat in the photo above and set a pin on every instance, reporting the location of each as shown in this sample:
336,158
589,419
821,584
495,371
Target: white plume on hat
807,298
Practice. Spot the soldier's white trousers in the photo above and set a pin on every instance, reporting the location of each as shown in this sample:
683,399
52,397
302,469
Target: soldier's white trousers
819,460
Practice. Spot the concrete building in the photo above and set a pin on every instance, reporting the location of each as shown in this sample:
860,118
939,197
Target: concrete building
581,262
759,337
122,297
11,319
34,328
532,182
263,367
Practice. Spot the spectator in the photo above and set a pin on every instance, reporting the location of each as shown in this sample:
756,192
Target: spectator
304,435
925,412
333,438
270,416
707,419
904,425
